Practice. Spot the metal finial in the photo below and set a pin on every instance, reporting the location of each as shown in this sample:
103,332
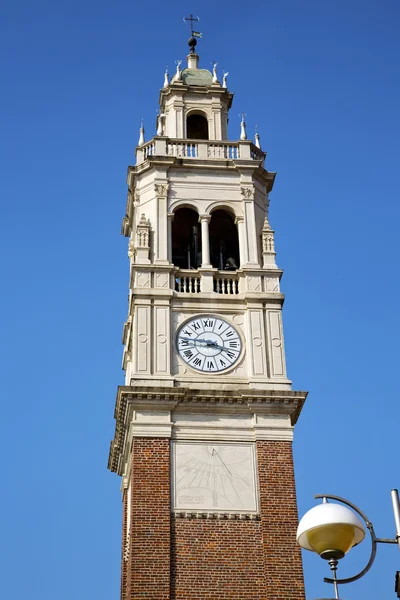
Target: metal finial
193,34
191,20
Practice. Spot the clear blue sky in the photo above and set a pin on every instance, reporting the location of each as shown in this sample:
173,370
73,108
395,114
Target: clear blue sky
321,80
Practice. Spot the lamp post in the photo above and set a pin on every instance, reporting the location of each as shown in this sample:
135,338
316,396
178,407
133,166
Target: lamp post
331,530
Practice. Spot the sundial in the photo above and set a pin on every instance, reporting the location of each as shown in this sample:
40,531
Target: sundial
214,477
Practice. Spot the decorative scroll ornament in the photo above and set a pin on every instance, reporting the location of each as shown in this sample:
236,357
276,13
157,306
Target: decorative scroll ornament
136,201
131,249
125,225
161,189
247,192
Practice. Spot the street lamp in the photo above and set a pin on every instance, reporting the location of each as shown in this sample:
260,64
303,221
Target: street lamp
331,530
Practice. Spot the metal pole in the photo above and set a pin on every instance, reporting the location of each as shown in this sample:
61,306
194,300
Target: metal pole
333,563
396,512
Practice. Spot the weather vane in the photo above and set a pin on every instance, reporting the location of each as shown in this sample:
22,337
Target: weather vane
192,20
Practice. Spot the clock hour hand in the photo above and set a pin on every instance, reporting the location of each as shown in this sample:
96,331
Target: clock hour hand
194,340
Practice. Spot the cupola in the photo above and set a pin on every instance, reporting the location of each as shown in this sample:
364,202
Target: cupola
194,103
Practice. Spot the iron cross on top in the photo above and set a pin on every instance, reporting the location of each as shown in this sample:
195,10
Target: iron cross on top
192,20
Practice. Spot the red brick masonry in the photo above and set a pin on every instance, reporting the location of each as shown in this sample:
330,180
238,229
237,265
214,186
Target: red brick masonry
207,559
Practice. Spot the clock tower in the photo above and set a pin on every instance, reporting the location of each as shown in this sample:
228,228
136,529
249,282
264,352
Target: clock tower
204,422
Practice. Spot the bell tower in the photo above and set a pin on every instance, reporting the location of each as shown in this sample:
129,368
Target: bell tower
204,422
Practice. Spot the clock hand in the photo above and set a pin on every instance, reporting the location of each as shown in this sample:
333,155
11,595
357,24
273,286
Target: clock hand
192,340
197,341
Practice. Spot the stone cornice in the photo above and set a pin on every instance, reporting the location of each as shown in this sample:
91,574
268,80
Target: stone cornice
184,400
217,516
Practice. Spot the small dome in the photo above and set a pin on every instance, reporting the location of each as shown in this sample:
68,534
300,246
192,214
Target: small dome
196,77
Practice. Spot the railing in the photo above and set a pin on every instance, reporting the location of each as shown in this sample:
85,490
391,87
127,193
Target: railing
187,282
148,149
223,150
226,283
200,149
182,149
256,153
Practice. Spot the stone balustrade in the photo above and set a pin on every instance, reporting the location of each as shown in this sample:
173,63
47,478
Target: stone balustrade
200,149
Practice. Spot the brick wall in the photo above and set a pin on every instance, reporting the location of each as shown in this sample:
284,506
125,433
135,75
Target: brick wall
149,560
212,559
282,557
217,559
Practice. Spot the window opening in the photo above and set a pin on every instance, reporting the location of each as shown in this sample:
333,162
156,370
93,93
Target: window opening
186,239
197,127
224,241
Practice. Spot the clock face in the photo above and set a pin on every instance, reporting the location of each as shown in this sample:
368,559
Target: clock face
208,344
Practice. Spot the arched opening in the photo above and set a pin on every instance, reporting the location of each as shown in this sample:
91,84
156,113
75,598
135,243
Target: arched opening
197,127
186,239
224,241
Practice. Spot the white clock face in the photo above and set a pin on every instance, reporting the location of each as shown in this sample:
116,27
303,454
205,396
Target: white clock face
208,344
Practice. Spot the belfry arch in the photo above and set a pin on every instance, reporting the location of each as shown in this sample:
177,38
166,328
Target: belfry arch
197,127
224,241
186,239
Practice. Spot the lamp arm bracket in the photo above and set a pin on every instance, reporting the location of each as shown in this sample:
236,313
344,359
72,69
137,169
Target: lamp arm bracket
370,528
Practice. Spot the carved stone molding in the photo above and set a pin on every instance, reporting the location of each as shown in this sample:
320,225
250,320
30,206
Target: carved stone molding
161,189
142,233
263,414
216,516
142,246
204,217
247,192
268,242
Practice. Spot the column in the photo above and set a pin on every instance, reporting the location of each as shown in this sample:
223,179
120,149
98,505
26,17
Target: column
161,246
170,218
247,191
239,222
205,241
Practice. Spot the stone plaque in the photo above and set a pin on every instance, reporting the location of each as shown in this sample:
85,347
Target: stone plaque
217,477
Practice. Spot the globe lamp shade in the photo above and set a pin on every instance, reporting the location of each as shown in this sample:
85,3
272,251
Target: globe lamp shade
330,530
